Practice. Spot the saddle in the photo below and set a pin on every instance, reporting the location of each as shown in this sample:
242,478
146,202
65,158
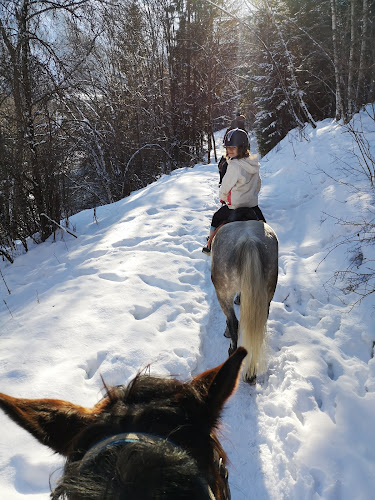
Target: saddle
239,214
243,214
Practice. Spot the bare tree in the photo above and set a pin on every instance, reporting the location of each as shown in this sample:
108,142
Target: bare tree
38,72
362,58
353,36
340,113
297,92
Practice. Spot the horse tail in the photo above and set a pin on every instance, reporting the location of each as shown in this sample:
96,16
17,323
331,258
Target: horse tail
253,305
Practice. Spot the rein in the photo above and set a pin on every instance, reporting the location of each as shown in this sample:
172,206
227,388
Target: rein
133,437
210,239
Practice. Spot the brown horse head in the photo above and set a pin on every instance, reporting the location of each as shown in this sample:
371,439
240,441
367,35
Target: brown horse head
153,439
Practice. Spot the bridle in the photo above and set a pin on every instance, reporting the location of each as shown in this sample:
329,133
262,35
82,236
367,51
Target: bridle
223,471
124,438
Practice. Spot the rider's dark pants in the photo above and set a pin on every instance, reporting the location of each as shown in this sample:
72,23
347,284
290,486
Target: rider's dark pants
225,214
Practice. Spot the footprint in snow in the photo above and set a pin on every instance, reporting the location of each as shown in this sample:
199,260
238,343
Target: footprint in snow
112,277
151,211
79,271
92,365
130,242
170,286
90,240
192,278
334,369
142,312
170,207
95,254
182,353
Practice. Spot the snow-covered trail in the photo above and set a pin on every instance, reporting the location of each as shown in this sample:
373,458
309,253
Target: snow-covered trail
239,424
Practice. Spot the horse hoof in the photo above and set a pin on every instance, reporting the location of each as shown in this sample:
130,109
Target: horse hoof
251,380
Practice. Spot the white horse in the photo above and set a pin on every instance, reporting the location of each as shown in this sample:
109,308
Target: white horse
245,261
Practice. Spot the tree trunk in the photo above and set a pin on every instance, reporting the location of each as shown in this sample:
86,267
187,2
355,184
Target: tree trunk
351,103
336,59
365,19
213,143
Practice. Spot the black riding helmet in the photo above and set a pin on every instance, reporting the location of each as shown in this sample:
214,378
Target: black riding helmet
237,137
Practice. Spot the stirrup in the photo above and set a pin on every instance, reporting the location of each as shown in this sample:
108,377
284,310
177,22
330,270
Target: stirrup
206,250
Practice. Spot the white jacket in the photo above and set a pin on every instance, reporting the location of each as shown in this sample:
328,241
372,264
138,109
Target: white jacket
241,183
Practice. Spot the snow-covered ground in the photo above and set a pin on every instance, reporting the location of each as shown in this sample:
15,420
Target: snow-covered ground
134,288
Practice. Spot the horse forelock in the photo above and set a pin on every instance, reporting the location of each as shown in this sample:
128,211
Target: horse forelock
135,471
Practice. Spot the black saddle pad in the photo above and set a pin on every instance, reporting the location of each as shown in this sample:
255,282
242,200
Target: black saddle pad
242,214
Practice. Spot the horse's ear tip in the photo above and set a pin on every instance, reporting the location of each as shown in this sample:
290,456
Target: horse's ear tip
242,349
241,352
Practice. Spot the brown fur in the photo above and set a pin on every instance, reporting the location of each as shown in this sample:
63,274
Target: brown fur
185,413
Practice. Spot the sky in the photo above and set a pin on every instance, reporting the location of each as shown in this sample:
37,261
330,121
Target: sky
134,289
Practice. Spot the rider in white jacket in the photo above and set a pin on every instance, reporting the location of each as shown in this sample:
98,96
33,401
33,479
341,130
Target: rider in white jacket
240,185
241,182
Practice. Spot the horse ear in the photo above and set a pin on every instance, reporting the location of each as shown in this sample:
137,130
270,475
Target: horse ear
52,422
217,385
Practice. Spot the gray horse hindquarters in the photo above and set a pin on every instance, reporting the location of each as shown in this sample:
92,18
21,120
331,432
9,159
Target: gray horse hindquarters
245,261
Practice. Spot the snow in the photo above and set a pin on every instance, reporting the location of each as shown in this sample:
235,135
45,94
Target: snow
134,289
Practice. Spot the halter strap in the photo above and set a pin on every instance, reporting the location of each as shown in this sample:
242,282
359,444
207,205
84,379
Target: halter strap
117,439
132,437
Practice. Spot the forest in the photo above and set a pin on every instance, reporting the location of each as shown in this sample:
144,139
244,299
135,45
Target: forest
99,98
